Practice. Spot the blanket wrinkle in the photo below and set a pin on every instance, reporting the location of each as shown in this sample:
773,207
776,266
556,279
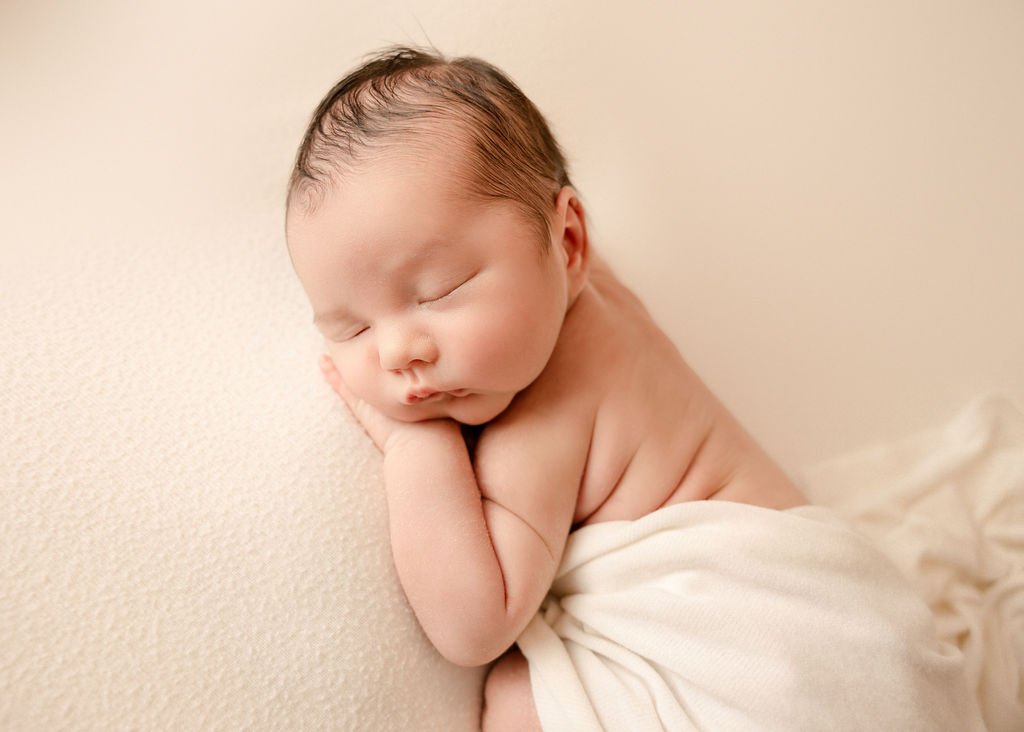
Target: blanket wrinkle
946,505
715,615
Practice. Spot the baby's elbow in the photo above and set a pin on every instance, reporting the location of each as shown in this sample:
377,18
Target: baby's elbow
478,638
472,654
468,651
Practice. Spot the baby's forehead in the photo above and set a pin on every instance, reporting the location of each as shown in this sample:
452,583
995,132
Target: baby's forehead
440,164
403,184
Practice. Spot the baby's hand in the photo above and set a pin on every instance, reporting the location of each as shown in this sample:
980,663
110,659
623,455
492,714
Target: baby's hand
380,428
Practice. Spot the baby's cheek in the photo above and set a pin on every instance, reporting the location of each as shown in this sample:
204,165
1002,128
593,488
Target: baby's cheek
490,351
355,372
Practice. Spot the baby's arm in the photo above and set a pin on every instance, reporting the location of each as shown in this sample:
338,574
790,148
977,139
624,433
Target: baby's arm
476,550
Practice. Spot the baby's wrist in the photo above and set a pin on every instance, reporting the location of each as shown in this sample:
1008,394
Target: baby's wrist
406,433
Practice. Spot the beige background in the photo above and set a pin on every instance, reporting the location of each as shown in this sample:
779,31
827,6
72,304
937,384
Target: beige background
823,203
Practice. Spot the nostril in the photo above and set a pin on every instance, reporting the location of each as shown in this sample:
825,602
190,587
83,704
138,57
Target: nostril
406,371
400,352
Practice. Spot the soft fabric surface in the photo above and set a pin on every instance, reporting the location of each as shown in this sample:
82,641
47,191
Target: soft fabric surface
947,505
723,616
193,534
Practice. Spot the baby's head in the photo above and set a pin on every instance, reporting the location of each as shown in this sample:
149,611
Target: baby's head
432,224
413,97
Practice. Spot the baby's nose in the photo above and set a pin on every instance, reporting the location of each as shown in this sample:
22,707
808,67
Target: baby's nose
399,348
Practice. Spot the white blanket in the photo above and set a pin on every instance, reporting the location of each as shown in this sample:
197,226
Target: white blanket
947,506
723,616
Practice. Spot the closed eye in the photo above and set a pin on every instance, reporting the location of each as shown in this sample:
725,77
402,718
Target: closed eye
448,291
349,334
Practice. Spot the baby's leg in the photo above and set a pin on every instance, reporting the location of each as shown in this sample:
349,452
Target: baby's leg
508,701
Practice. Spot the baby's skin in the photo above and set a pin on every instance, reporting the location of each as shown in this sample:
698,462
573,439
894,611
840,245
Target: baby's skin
588,414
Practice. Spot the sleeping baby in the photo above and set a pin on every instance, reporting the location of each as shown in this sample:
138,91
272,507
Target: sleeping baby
564,494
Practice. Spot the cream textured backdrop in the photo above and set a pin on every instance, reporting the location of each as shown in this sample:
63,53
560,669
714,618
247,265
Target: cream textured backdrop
821,202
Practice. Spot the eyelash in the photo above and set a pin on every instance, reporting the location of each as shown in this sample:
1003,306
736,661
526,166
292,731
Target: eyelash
451,291
344,338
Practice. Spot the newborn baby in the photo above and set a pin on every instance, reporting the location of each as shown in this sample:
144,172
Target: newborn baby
519,393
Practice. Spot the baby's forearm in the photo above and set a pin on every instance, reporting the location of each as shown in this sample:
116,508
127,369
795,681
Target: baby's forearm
442,545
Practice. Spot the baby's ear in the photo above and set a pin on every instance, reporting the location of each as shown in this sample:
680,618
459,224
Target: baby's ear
570,236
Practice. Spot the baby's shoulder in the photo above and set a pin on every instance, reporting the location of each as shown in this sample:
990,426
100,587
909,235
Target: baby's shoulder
555,416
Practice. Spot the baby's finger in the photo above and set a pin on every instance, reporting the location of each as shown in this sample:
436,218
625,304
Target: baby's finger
331,375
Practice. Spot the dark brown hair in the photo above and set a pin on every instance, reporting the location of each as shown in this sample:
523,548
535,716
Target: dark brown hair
403,92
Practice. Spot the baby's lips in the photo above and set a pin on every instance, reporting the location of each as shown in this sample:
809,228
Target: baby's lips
416,396
420,395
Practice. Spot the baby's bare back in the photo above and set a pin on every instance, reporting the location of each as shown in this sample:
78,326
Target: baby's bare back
658,435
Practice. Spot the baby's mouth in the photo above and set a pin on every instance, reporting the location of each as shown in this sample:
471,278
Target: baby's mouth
420,396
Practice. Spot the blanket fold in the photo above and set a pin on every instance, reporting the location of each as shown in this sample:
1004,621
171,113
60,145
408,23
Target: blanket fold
715,615
946,505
